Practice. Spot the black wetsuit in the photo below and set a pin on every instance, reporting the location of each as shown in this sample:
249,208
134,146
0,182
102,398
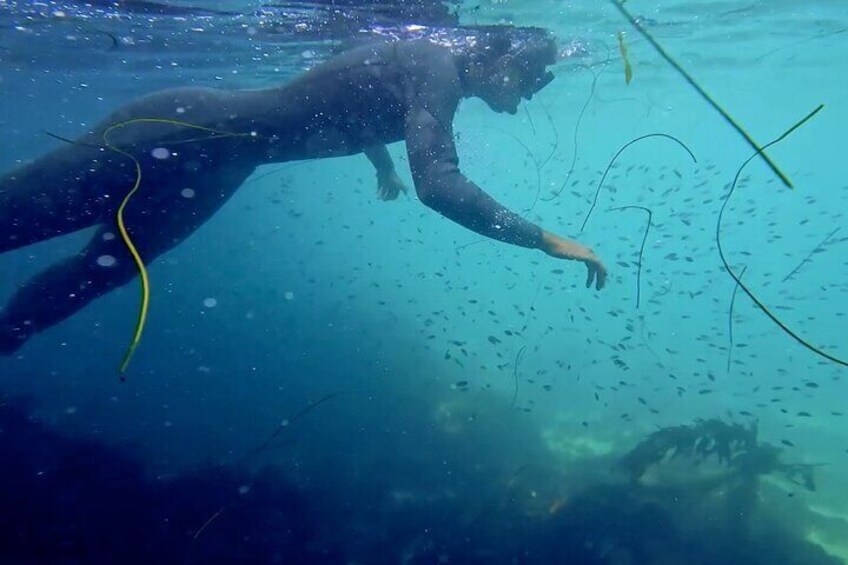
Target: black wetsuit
356,102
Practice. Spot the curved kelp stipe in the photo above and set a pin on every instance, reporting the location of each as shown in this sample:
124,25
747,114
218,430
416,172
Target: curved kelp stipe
817,249
518,358
555,145
703,93
641,248
82,28
533,158
622,48
620,151
730,318
71,141
259,450
576,129
738,278
125,236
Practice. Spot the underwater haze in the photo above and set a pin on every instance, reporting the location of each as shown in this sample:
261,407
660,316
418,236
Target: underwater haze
326,377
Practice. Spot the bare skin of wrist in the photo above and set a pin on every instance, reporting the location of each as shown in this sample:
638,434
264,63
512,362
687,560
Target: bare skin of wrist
560,248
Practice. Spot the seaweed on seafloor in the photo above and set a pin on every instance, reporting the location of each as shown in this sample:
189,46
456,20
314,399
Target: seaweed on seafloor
788,331
733,445
702,439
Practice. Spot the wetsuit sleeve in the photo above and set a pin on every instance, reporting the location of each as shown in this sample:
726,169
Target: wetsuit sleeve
441,186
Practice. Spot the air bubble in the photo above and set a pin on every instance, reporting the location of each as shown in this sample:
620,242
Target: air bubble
106,261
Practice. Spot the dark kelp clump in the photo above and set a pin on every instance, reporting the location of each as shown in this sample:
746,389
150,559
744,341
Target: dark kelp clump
734,446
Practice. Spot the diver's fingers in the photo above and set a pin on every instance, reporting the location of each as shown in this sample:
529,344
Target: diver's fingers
601,277
597,273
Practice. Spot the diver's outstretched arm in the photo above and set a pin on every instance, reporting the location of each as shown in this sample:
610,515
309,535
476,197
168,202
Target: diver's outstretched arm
561,248
442,187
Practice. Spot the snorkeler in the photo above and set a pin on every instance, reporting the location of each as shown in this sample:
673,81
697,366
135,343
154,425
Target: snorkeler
355,102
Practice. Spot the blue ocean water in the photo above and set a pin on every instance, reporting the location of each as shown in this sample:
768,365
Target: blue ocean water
328,377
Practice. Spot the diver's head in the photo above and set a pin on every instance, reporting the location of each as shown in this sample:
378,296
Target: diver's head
502,65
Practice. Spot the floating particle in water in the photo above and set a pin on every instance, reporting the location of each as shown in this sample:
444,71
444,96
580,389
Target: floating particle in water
187,193
210,302
106,261
243,489
160,153
108,236
288,295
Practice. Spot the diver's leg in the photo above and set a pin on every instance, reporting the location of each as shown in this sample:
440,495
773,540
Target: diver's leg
59,193
64,288
105,263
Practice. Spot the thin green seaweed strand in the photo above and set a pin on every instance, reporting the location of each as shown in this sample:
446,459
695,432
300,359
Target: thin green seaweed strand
759,150
738,279
615,158
641,248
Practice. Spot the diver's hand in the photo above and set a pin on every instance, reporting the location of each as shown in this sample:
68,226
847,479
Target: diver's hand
389,185
565,249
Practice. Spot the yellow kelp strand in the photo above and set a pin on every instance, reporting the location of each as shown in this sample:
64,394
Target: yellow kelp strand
622,48
619,5
145,280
